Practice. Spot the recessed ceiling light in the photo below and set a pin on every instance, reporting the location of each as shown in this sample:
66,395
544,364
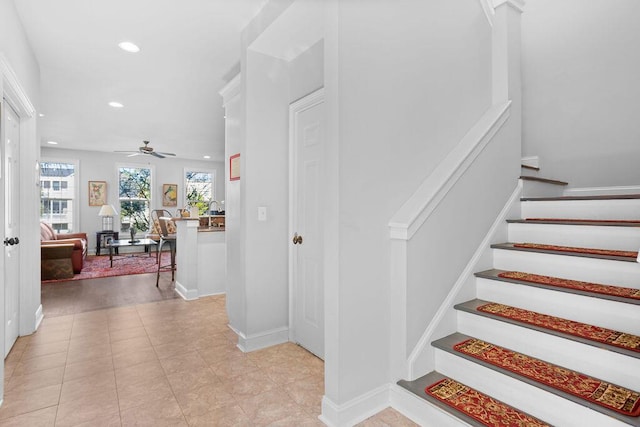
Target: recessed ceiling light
206,157
129,47
41,115
52,142
115,104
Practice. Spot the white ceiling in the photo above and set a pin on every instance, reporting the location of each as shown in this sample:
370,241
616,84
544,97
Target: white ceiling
189,50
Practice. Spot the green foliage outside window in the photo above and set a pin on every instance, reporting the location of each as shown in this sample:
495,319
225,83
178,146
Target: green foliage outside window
199,190
135,198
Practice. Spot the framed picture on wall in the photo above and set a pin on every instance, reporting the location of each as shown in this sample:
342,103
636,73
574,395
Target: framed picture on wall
97,193
234,167
169,194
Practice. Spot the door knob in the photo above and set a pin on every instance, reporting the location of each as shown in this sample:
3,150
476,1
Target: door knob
9,242
6,241
297,240
17,240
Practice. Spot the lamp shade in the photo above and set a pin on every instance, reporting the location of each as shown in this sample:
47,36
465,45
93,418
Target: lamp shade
107,210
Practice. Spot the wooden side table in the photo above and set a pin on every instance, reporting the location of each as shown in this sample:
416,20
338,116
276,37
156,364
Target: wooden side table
101,239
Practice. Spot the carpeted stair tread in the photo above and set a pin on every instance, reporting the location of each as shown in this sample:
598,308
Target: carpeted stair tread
566,198
545,180
596,336
609,254
593,393
597,290
572,221
493,408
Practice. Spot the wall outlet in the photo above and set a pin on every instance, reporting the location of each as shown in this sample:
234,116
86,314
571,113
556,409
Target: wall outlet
262,213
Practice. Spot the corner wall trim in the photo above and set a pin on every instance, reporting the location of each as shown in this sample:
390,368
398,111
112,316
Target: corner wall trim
415,211
355,410
186,294
249,343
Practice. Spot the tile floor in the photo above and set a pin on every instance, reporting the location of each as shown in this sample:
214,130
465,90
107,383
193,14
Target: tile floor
165,363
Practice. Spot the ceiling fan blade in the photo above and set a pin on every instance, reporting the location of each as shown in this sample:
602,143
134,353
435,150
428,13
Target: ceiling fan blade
124,151
164,154
160,156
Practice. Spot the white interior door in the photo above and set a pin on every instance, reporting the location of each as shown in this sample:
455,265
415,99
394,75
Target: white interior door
307,132
11,169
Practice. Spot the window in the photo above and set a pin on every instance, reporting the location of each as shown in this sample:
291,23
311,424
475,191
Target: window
199,189
134,192
58,194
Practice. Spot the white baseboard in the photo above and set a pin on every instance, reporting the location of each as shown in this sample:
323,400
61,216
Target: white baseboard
533,161
599,191
253,342
355,410
420,411
211,294
39,317
186,294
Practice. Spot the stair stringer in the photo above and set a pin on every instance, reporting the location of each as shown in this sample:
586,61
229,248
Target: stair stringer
422,358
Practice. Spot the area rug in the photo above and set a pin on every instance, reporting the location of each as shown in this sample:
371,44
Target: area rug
582,330
98,266
480,407
573,284
599,221
607,395
607,252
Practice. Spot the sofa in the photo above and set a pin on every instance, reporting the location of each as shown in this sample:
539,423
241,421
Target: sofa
79,241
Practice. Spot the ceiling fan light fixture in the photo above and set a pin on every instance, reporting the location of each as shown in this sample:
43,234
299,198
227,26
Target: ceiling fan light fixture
129,47
52,142
206,157
115,104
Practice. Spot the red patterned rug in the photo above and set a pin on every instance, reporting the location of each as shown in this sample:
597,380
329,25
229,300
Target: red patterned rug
590,332
602,221
573,284
607,395
608,252
488,411
98,266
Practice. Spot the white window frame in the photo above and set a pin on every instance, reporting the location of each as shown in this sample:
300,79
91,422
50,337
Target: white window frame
75,211
117,186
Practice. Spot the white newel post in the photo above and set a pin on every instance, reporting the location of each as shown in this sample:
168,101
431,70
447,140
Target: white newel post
187,258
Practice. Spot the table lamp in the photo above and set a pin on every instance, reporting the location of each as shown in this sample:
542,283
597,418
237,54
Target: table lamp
107,212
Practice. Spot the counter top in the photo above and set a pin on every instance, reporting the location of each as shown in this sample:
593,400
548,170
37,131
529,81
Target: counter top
207,229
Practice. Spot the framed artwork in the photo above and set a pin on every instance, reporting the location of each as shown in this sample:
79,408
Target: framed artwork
169,194
97,193
234,167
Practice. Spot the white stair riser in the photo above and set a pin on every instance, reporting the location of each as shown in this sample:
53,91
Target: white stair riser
540,189
600,237
591,360
421,411
533,400
608,272
594,311
583,209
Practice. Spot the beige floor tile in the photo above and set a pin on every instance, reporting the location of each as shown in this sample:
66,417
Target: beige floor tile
45,336
143,391
79,388
269,407
186,382
22,402
108,421
187,362
134,358
41,418
214,355
101,405
88,368
43,349
250,384
165,351
130,345
307,393
135,373
124,334
161,412
388,418
35,380
284,374
227,416
200,400
40,363
81,353
233,367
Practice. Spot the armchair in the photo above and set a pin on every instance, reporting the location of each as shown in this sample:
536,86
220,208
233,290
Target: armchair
78,240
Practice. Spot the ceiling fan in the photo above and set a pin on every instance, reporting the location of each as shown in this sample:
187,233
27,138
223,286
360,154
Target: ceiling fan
146,150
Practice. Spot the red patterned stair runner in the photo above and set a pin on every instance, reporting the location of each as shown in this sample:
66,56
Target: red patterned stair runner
596,391
573,284
583,330
488,411
608,252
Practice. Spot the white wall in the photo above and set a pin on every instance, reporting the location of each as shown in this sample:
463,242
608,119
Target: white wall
306,72
581,91
413,77
101,166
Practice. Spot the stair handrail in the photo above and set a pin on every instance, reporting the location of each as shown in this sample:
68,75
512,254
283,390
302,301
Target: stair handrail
417,209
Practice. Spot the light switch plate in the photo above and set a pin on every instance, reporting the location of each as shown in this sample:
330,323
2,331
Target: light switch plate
262,213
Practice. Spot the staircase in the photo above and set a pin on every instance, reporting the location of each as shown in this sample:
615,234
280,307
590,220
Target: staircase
590,330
